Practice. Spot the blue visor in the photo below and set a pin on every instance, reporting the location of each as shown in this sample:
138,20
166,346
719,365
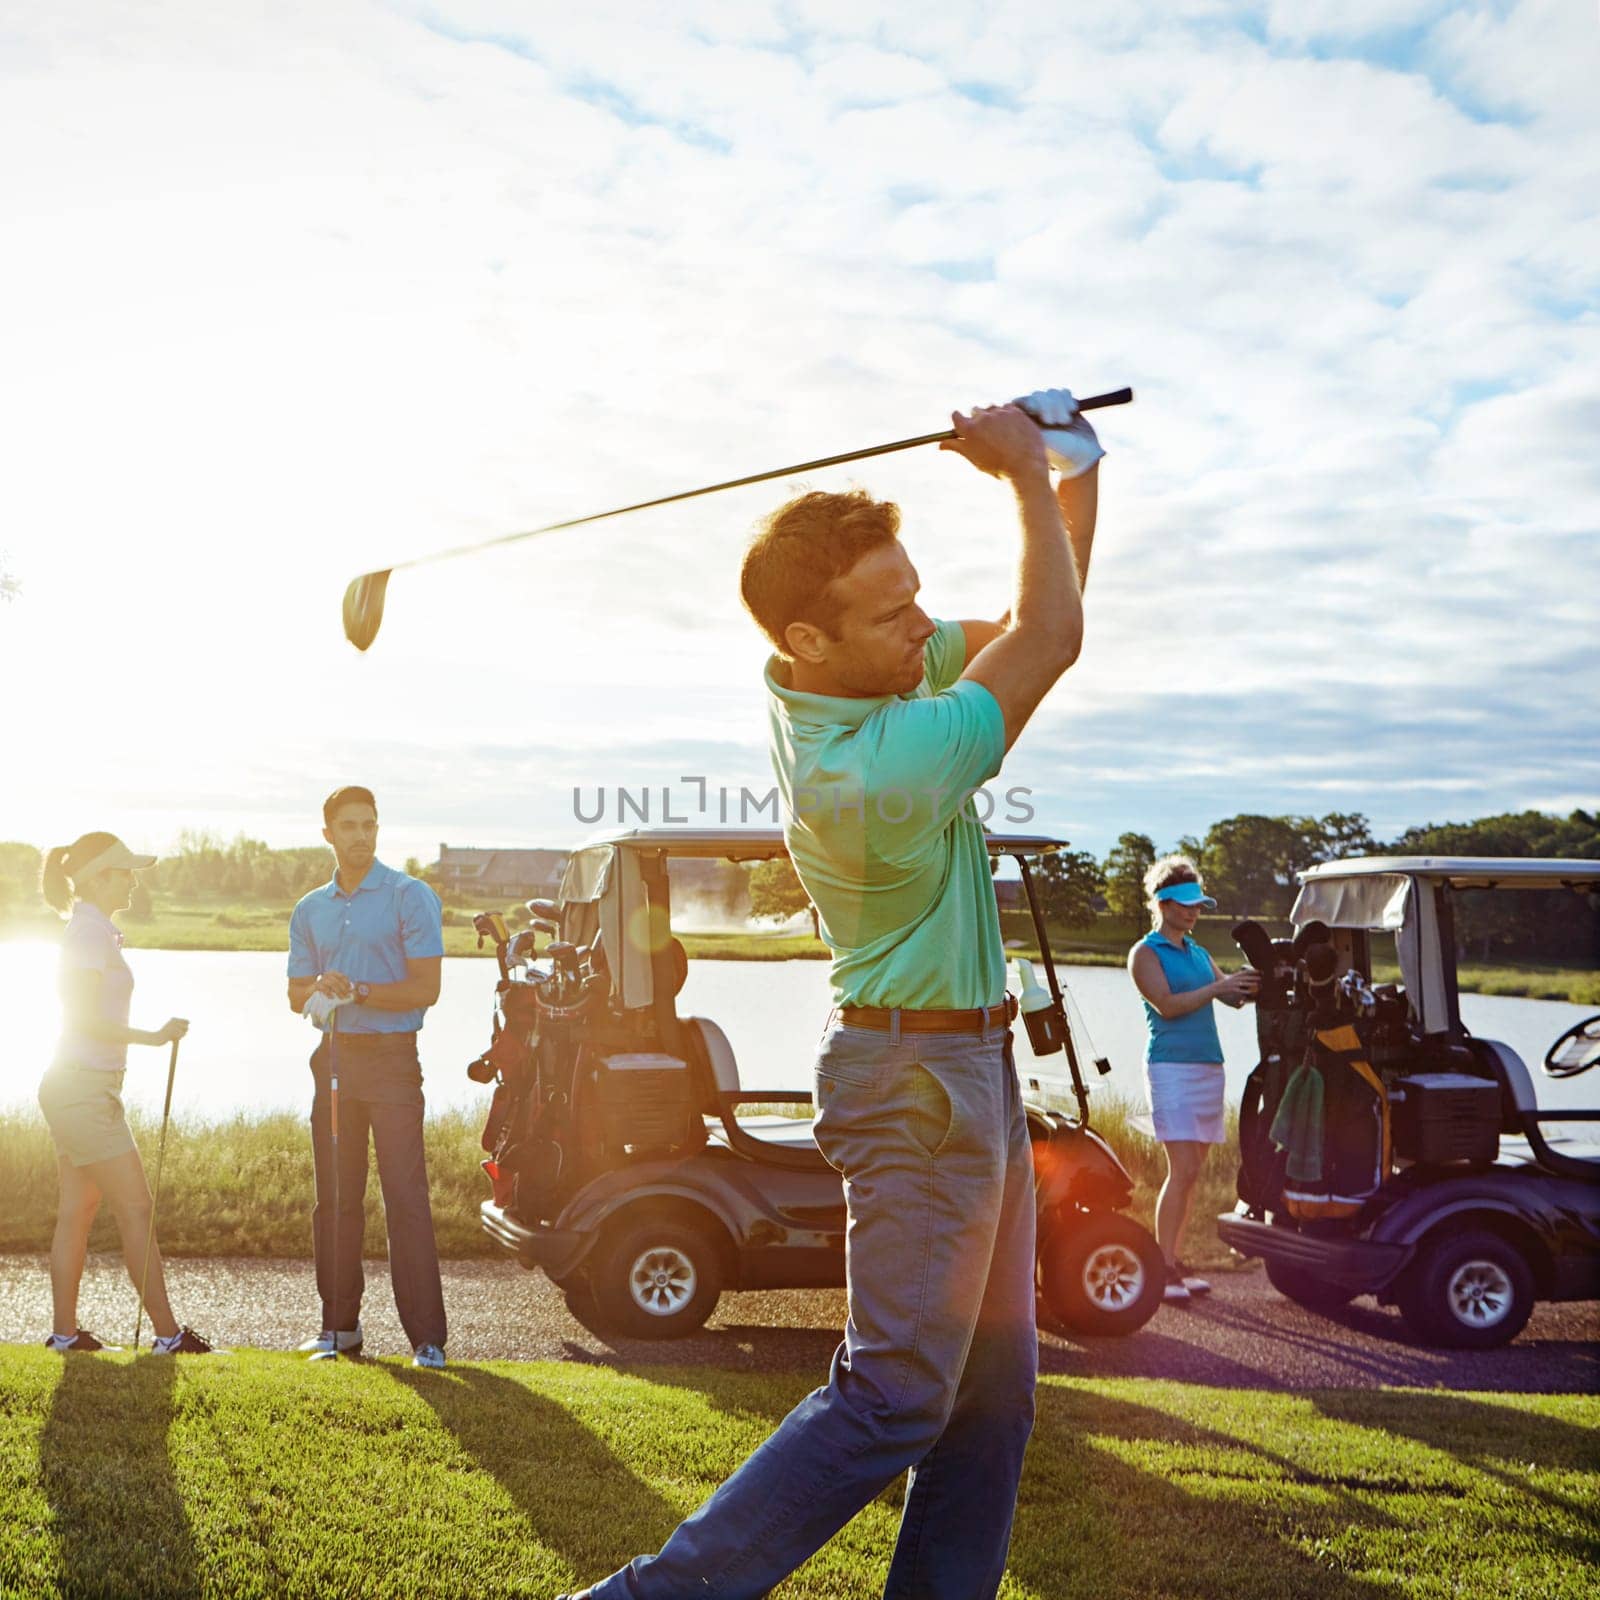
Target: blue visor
1187,894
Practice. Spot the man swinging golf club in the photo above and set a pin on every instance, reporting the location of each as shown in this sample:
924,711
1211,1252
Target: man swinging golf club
883,723
364,956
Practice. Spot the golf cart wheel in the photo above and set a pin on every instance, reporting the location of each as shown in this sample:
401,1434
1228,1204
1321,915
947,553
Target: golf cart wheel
1306,1288
580,1301
656,1278
1102,1272
1472,1291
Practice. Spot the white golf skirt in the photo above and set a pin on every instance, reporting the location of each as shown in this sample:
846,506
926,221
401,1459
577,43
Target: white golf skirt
1187,1100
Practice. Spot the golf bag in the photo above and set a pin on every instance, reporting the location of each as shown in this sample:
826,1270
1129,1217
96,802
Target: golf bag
1332,1126
531,1059
1282,1036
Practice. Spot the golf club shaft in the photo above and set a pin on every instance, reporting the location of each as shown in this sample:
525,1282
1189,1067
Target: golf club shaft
1116,397
333,1139
155,1201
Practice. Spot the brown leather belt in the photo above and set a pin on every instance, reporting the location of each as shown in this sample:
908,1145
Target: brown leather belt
975,1021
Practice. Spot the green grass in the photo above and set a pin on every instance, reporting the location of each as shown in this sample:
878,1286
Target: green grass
260,1475
243,1186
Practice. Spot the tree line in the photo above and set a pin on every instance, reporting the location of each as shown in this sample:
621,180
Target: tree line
203,866
1249,863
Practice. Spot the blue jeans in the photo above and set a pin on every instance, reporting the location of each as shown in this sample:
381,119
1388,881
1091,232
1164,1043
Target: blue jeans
936,1372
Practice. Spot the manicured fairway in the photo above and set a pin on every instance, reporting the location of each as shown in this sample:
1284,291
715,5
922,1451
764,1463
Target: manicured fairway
260,1474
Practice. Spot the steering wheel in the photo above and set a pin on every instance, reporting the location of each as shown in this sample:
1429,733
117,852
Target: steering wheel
1575,1051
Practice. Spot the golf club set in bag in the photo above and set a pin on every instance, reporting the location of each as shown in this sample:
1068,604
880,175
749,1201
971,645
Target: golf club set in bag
1316,1135
533,1051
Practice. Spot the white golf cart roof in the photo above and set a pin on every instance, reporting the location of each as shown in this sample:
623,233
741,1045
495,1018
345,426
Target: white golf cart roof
1469,872
605,880
1408,896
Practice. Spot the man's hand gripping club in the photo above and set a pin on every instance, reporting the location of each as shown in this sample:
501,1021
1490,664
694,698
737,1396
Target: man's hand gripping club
1044,631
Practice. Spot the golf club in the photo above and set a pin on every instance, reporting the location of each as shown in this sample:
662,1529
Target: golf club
363,599
332,1352
155,1201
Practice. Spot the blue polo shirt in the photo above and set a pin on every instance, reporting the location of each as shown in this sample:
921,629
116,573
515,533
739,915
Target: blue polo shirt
367,936
1189,1038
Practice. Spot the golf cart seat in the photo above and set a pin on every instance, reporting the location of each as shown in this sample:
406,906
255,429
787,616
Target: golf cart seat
787,1140
1521,1117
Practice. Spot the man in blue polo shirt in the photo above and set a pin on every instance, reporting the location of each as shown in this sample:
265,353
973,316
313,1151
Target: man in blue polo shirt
372,940
883,723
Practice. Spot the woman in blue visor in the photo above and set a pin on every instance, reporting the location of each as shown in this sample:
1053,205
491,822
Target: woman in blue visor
1178,981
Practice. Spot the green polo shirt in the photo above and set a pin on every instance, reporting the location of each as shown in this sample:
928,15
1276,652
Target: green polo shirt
884,835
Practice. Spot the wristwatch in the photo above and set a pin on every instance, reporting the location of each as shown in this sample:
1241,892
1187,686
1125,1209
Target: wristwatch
363,991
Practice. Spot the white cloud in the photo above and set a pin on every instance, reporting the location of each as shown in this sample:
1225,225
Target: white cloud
292,294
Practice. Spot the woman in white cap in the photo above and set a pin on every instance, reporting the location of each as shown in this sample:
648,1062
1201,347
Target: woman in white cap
1178,981
81,1093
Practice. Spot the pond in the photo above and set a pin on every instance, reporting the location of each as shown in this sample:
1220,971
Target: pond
247,1051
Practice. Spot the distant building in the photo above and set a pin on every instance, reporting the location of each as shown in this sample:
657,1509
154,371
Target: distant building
1008,894
499,874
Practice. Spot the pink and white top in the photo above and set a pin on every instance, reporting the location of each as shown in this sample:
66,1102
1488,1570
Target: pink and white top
92,943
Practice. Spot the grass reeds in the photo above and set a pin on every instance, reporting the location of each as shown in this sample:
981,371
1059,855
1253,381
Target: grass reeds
243,1186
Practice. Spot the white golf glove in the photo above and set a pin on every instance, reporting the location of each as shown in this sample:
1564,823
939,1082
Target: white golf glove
1069,441
319,1007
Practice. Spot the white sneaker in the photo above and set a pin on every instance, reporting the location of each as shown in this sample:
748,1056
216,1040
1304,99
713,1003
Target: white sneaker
350,1341
82,1340
185,1342
1176,1292
428,1355
1192,1281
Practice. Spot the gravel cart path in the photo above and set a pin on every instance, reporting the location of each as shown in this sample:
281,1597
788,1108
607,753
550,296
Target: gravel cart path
1243,1335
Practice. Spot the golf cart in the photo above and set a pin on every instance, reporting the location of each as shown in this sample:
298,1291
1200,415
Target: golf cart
620,1161
1386,1151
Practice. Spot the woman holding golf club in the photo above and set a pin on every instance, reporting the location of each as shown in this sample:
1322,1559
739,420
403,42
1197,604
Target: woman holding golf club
81,1093
1178,981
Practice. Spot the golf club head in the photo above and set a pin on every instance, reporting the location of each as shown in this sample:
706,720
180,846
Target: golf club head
363,607
1256,944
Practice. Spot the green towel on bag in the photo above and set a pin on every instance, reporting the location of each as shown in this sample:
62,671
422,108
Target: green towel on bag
1297,1127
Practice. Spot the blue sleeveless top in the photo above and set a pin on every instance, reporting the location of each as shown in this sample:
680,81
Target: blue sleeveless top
1190,1038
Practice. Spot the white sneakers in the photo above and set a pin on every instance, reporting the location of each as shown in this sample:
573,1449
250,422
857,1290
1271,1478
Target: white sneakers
185,1342
1183,1284
350,1340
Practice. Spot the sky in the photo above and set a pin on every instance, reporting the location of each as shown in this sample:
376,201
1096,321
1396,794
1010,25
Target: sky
294,291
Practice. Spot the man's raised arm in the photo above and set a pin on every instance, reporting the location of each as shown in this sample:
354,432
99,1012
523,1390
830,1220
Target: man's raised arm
1019,666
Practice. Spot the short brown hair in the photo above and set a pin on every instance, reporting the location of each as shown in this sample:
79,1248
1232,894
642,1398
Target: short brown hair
801,548
351,794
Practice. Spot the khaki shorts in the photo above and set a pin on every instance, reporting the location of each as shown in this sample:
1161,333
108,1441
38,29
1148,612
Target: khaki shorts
83,1106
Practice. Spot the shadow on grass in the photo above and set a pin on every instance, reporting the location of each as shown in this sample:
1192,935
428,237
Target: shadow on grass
119,1521
1089,1524
593,1511
1497,1441
736,1349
